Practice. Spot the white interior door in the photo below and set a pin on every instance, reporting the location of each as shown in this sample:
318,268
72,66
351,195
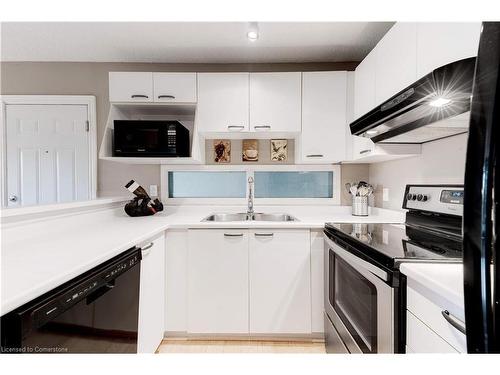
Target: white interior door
48,155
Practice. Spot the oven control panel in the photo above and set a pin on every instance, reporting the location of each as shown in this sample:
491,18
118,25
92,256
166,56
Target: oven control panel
443,199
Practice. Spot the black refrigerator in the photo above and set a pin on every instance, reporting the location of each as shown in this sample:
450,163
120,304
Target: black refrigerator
481,196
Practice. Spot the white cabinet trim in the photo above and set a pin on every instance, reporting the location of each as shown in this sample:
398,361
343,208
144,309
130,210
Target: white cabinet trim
335,200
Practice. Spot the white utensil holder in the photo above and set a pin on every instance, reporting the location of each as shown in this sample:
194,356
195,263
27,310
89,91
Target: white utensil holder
360,206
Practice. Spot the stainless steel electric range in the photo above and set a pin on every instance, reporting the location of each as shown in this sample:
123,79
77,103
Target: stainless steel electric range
365,294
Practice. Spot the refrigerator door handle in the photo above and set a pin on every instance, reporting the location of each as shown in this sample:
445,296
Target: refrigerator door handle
454,321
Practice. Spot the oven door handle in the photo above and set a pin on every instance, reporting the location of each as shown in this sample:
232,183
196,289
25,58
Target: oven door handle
354,260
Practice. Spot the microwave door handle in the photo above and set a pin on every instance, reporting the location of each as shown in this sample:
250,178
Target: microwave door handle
354,260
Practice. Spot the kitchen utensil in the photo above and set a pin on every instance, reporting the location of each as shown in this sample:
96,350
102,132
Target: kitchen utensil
348,187
363,191
354,190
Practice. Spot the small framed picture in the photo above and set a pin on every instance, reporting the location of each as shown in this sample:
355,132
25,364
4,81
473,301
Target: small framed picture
279,150
250,150
222,150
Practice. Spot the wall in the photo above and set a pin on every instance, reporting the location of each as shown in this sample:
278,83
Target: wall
68,78
441,162
352,173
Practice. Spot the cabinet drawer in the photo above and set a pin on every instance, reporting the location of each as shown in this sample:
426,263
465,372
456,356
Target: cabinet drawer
174,87
429,311
421,339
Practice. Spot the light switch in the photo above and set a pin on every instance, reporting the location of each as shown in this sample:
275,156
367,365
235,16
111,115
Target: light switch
385,194
153,190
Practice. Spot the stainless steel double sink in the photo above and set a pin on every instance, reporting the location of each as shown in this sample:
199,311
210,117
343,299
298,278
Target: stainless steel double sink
226,217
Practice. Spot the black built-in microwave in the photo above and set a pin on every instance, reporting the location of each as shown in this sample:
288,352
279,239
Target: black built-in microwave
143,138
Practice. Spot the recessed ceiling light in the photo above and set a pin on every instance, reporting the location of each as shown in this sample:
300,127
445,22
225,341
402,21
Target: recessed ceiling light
253,31
440,102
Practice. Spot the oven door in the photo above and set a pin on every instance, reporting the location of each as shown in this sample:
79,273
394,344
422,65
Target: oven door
358,301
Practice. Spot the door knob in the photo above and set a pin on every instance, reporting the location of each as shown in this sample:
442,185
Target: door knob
12,198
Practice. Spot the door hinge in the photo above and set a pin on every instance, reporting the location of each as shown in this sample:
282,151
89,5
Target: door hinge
87,125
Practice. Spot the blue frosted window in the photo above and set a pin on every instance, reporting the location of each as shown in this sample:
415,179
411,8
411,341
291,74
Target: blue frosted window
294,184
206,184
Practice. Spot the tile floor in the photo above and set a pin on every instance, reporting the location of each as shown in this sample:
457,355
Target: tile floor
239,346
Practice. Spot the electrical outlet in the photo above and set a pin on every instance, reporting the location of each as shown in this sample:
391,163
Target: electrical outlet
385,194
385,237
153,190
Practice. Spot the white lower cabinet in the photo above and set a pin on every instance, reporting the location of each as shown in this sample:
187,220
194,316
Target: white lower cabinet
176,281
152,290
244,282
427,330
218,281
280,282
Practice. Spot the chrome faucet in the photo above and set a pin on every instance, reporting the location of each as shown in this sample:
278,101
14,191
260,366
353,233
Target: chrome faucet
250,211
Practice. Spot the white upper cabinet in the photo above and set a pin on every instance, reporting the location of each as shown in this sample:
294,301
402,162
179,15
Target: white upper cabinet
324,122
275,100
222,102
396,61
130,86
364,85
152,87
174,87
441,43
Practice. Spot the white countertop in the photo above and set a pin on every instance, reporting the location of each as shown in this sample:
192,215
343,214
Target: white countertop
40,255
444,280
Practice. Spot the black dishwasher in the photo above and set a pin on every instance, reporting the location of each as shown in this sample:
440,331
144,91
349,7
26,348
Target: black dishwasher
96,312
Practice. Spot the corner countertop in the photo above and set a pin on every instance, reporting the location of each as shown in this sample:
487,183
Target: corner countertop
39,255
437,280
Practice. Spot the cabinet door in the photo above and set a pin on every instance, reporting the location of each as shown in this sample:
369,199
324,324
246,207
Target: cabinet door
174,87
361,147
275,100
152,296
130,86
396,66
324,123
441,43
176,280
280,282
222,102
364,85
218,281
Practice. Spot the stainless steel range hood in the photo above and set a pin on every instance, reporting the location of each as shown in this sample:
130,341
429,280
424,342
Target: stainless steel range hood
436,106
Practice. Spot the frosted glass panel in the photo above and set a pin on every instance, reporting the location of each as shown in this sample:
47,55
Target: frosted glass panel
294,184
206,184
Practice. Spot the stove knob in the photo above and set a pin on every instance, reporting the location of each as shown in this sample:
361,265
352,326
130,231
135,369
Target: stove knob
425,198
409,196
414,197
420,197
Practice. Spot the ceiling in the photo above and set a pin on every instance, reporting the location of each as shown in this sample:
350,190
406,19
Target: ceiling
189,42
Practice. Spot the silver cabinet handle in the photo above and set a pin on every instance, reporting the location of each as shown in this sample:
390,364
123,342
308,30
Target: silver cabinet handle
147,249
262,127
139,96
454,321
236,127
233,234
314,156
264,234
365,151
166,97
12,198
